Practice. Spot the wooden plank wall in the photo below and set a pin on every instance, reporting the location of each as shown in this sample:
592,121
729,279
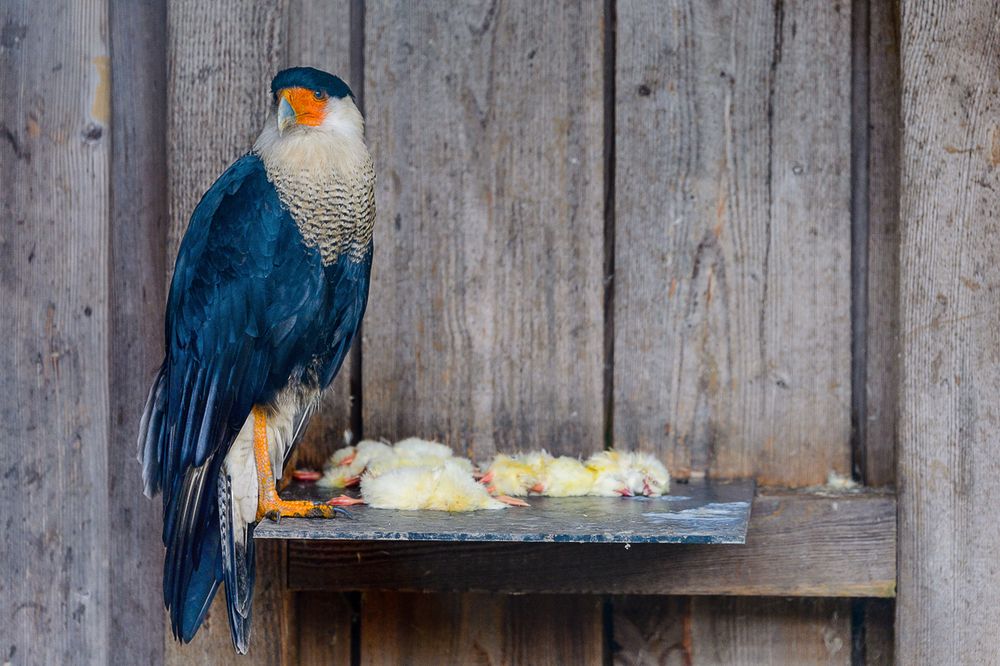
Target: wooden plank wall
55,170
681,284
949,423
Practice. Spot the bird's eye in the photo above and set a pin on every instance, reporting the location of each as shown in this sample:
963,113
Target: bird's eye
319,95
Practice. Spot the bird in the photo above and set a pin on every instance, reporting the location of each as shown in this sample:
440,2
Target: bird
443,487
346,464
627,474
268,292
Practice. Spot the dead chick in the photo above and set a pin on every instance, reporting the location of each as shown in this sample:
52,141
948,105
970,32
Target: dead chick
441,488
346,465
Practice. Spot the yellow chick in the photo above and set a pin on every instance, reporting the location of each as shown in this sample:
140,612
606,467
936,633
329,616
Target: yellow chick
566,477
510,475
441,488
653,477
346,465
416,447
628,474
610,470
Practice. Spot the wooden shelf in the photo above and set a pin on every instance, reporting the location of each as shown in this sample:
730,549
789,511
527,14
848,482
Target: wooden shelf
703,512
797,544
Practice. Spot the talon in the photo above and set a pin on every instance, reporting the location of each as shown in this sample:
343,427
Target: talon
337,511
273,515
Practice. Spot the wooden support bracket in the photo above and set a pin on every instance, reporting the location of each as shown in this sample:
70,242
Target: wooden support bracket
798,544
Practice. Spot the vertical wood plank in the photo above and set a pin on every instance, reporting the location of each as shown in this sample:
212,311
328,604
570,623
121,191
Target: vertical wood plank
323,628
651,630
948,606
485,325
734,631
138,257
221,58
319,35
54,192
885,124
732,254
461,629
699,631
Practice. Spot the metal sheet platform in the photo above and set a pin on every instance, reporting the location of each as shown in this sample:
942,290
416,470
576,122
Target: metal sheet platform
706,512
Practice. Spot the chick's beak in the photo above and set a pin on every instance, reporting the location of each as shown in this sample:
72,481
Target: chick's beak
286,115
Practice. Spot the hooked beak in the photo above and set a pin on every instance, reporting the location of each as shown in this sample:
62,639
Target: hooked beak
286,115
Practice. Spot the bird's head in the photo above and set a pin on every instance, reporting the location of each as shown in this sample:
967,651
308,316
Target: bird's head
309,100
314,124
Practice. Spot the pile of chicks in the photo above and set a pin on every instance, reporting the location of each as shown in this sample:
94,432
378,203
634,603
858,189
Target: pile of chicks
420,474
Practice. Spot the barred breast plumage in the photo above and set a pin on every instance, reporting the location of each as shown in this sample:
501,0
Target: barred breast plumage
335,211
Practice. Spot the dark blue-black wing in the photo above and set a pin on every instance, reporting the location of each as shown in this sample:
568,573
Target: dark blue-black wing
245,308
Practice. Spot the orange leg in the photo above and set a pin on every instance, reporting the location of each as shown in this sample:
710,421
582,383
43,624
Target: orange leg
269,504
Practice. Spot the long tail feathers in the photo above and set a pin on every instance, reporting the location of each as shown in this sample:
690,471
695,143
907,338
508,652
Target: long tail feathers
237,565
152,431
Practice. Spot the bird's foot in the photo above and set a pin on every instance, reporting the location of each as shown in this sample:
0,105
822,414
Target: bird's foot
276,509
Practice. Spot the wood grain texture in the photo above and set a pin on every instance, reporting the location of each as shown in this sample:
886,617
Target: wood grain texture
885,129
138,257
949,583
319,36
466,629
221,59
54,193
799,545
651,630
696,631
485,325
323,626
750,632
732,271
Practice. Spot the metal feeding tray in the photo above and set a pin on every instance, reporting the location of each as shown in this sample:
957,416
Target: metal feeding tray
697,512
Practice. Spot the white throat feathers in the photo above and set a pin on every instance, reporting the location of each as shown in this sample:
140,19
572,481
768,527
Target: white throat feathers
325,178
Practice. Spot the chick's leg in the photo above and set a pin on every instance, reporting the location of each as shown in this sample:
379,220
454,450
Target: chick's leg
269,504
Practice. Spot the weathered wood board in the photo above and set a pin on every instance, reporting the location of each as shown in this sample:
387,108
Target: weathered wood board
685,631
459,629
949,582
137,258
885,130
797,545
732,237
485,323
697,512
55,123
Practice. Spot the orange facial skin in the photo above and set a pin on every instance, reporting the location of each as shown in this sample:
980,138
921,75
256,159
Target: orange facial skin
310,109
